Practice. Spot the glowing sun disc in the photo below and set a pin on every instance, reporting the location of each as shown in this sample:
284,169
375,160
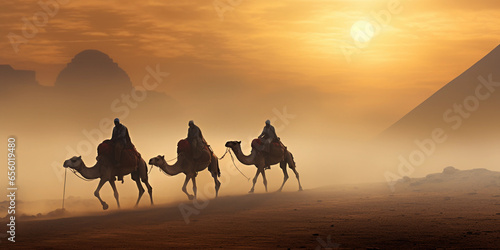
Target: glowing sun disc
362,31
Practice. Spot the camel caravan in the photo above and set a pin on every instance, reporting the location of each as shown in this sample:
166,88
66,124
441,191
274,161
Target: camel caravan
118,157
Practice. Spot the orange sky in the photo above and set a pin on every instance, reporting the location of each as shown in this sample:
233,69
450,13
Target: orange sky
287,52
272,44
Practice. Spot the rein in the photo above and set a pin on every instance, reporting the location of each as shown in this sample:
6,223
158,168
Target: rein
64,188
232,158
81,177
227,150
172,159
161,170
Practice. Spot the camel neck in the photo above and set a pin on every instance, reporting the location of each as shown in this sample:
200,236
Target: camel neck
245,159
172,169
90,173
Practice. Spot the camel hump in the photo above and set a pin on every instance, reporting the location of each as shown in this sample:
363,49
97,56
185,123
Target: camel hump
133,151
105,148
256,143
183,146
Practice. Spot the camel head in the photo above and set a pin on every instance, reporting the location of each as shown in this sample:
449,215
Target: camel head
74,162
157,161
232,144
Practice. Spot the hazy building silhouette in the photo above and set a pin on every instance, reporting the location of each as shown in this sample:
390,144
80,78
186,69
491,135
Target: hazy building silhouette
93,70
11,78
458,125
467,103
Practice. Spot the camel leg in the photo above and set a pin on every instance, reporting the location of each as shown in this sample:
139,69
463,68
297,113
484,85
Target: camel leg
285,174
195,188
298,179
143,176
217,187
150,190
291,164
184,189
215,172
141,191
115,191
217,184
96,194
255,180
264,179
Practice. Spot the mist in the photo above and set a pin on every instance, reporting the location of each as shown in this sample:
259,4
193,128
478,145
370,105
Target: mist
330,144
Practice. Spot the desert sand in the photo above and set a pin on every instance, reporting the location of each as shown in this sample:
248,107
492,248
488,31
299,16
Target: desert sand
361,217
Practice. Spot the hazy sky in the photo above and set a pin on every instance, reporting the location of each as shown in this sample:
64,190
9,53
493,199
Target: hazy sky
235,63
294,44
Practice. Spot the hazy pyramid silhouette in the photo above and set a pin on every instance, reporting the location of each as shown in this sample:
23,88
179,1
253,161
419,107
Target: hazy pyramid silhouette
91,87
468,106
92,69
458,125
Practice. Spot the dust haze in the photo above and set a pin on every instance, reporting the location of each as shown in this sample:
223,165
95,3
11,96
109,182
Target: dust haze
395,137
72,117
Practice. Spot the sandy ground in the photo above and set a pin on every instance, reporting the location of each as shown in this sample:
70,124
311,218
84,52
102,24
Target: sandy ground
367,217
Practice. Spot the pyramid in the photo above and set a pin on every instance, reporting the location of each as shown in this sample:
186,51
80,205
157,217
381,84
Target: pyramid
467,108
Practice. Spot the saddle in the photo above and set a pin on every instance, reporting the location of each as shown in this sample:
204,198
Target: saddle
106,149
276,149
258,143
183,146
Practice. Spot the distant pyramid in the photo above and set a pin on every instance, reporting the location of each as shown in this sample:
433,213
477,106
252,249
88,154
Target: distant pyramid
95,71
468,106
90,89
458,125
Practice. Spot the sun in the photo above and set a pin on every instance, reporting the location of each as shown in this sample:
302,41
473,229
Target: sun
362,31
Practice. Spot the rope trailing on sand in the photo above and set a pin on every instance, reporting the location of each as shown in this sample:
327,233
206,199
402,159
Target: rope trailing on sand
64,188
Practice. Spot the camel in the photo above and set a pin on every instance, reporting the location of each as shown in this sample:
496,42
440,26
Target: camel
106,171
185,164
257,158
